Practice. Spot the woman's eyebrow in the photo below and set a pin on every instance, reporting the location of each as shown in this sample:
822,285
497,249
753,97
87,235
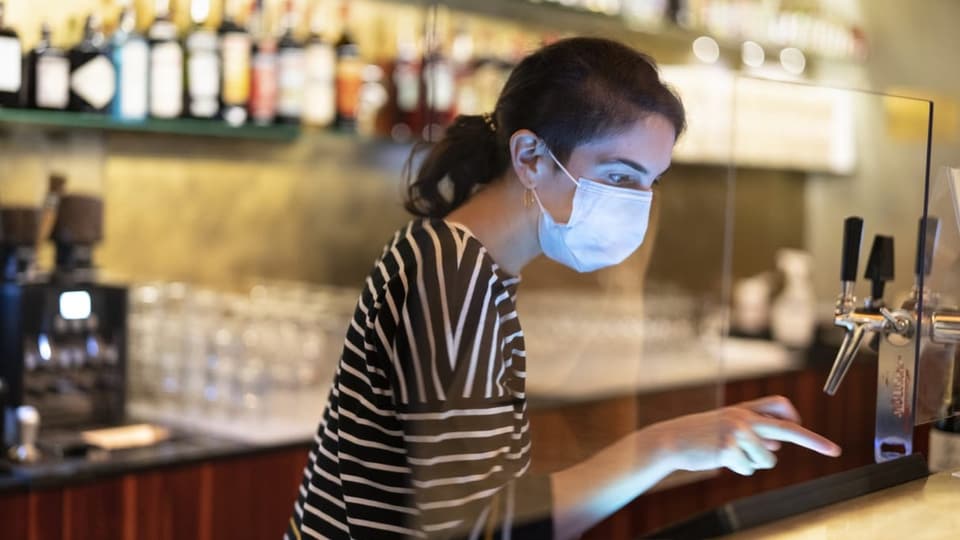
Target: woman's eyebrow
628,162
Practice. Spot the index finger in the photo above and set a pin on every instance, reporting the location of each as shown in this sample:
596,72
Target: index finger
782,430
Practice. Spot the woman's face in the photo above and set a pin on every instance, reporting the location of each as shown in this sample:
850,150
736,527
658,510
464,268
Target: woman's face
632,159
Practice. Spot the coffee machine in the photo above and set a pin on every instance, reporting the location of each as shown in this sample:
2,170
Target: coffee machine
62,332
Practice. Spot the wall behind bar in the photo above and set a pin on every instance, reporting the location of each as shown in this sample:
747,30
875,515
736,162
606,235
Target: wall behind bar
226,213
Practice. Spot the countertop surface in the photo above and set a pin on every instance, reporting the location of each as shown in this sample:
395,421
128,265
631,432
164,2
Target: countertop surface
918,510
184,448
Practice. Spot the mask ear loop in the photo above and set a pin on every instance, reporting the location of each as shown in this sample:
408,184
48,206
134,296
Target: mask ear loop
562,168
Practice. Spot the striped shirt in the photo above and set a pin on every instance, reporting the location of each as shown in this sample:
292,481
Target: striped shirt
426,433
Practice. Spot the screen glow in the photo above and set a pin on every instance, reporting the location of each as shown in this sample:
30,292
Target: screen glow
75,305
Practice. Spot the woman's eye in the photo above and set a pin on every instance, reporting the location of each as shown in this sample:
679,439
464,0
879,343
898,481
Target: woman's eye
619,178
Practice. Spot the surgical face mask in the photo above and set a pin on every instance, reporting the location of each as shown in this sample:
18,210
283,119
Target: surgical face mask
606,225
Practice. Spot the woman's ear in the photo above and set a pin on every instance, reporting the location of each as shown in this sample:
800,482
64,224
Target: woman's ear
527,156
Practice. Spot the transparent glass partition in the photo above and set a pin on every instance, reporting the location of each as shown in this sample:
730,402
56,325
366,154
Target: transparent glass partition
861,165
937,380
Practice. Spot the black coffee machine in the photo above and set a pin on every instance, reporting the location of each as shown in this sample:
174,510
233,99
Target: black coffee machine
62,333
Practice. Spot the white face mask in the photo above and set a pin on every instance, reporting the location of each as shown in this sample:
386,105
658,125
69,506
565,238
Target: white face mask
606,225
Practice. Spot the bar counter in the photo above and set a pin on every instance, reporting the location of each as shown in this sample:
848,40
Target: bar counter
922,509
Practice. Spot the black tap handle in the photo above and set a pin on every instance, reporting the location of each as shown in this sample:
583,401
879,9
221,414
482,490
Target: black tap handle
852,235
927,235
880,265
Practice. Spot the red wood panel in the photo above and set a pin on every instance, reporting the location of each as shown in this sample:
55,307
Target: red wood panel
94,511
253,497
166,504
45,508
14,516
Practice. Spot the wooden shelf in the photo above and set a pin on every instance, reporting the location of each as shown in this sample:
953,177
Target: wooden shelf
175,126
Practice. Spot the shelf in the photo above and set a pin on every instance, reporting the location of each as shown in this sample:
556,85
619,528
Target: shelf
176,126
568,19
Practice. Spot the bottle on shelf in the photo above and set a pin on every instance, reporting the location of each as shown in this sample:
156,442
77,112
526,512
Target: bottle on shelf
439,82
131,56
462,56
319,96
405,80
292,70
487,77
349,75
203,65
235,48
93,81
11,65
166,65
48,74
263,77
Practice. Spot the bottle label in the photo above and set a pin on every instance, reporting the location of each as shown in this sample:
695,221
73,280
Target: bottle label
134,58
349,82
203,74
321,62
10,67
53,82
439,81
236,68
95,82
263,90
292,81
407,82
166,80
319,104
944,451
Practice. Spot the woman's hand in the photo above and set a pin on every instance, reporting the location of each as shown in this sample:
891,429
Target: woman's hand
742,437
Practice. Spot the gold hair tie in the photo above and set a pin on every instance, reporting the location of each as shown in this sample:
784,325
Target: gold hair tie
488,120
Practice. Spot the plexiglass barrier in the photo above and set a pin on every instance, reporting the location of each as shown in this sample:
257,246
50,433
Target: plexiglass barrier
937,374
865,162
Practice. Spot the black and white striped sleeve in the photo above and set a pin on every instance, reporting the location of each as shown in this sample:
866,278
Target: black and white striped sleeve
463,414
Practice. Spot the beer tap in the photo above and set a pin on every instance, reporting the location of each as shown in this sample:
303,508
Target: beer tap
920,327
874,316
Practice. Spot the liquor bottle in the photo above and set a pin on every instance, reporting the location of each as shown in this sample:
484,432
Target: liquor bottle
131,56
319,105
292,65
203,65
406,86
349,75
93,80
439,84
11,65
462,56
235,46
166,65
48,75
263,77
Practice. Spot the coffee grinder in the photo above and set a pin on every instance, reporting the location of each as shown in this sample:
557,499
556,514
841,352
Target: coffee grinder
62,333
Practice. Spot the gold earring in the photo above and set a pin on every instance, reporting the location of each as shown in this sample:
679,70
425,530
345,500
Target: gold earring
528,198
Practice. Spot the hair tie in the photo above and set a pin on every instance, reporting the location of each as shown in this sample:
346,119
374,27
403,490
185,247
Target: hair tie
488,120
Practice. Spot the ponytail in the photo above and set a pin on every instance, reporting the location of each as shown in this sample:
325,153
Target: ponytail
470,154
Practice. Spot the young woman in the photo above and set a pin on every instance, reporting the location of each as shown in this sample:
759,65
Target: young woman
426,432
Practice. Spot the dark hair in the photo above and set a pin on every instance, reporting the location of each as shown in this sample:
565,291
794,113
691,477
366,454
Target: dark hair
568,93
